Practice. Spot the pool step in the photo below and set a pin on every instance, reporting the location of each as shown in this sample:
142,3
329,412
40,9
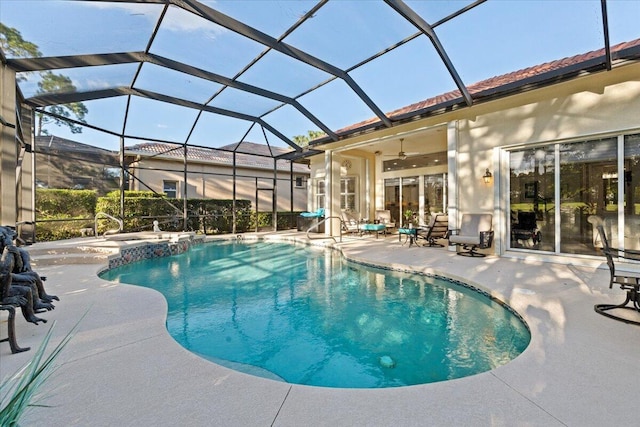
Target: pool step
69,258
46,254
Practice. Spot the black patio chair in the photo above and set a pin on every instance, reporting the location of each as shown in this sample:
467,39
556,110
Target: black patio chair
525,230
438,228
628,281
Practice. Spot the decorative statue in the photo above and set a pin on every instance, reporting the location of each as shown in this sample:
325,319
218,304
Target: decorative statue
23,275
11,293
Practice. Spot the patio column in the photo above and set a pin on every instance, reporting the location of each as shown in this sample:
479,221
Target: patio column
332,188
452,177
8,147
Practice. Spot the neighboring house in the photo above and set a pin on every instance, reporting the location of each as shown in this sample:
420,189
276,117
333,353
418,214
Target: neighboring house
159,167
561,139
62,163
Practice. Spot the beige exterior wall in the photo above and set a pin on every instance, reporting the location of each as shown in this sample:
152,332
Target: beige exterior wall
209,181
477,137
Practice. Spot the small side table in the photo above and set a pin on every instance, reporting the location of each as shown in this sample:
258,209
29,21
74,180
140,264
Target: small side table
410,233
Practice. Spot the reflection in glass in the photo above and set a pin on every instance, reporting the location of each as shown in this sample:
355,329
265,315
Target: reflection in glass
435,196
410,200
632,192
588,174
531,198
392,198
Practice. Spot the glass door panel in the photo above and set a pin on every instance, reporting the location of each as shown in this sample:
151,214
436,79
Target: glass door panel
531,197
410,200
588,173
632,192
392,198
434,195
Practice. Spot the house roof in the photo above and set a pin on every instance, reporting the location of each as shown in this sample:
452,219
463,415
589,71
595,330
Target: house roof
248,155
524,79
52,143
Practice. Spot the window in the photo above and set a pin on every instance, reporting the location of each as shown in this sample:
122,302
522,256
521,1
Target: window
320,195
300,182
170,189
348,194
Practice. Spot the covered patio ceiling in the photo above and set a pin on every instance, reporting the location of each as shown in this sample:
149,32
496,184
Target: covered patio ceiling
214,73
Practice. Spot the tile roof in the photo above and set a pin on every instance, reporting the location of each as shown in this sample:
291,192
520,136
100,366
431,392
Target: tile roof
254,160
52,143
504,84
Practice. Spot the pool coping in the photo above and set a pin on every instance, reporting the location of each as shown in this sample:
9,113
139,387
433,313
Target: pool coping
122,366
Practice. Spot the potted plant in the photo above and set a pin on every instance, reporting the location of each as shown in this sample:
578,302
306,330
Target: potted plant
409,216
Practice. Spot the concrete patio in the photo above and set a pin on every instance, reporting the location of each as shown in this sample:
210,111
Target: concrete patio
122,367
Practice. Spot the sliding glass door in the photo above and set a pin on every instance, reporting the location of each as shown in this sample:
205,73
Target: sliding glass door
558,193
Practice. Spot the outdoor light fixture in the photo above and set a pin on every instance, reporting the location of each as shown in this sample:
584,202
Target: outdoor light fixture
487,177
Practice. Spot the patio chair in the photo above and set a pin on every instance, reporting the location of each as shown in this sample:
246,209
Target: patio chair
317,214
475,233
350,222
525,231
438,228
384,217
627,280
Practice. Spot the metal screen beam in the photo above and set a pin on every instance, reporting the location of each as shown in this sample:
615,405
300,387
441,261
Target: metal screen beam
74,61
410,15
266,40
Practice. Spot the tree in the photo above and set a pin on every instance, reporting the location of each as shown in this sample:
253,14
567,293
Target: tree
12,43
303,140
57,83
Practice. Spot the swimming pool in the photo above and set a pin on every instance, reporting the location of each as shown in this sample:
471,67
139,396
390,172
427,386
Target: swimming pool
305,315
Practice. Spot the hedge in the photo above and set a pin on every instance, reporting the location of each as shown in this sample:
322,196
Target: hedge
63,213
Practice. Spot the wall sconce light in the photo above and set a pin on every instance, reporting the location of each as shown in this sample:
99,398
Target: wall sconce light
487,177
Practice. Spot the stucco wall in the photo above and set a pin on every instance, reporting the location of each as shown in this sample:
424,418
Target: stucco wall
590,106
215,182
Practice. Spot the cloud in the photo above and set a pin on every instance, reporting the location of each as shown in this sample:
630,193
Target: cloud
176,19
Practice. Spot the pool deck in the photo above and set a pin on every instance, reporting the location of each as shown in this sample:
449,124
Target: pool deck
122,367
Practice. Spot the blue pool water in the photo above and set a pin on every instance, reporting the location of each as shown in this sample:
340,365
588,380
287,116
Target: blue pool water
305,315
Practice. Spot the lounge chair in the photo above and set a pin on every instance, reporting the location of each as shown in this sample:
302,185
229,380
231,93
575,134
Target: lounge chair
628,280
311,221
384,217
475,233
438,228
350,222
317,214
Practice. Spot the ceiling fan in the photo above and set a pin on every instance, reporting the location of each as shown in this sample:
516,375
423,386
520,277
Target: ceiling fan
401,154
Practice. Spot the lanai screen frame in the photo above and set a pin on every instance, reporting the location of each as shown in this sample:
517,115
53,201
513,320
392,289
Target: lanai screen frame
269,43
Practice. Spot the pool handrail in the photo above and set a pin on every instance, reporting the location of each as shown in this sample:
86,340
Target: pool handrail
316,225
114,231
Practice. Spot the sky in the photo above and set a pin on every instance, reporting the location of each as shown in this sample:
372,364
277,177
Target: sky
494,38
